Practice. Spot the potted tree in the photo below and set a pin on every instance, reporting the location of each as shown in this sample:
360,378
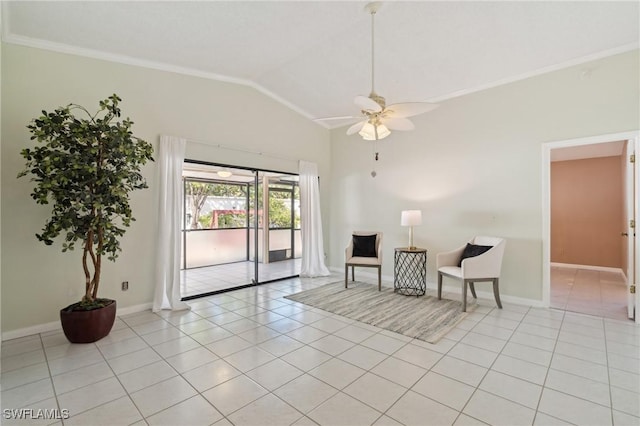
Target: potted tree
86,166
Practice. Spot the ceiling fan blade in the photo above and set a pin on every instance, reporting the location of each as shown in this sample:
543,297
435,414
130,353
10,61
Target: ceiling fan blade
356,127
409,109
367,104
398,123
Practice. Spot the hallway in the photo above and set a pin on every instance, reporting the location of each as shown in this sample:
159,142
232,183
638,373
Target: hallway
586,291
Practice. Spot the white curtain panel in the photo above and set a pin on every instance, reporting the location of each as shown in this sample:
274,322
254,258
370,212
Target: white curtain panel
169,159
312,242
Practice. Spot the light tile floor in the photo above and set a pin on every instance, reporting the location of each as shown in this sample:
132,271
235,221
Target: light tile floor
586,291
204,280
250,357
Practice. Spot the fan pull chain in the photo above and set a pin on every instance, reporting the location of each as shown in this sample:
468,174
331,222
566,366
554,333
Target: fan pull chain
375,156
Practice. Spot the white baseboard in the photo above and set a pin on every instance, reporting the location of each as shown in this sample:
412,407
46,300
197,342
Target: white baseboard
455,289
489,296
590,267
34,329
133,309
55,325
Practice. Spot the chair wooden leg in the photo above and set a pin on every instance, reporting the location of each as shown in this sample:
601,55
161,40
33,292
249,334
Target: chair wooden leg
379,278
473,289
353,274
439,286
496,292
346,275
464,295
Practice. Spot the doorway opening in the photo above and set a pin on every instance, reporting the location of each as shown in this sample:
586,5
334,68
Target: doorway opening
241,227
589,244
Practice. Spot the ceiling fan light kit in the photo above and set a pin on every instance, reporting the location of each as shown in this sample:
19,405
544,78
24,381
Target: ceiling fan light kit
371,132
380,119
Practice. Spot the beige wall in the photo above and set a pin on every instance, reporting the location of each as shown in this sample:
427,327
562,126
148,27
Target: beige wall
586,211
39,280
473,166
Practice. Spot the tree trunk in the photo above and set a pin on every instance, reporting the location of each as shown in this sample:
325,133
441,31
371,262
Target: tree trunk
195,213
88,250
196,206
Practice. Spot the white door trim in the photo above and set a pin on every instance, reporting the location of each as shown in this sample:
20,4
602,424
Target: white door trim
636,277
631,206
546,199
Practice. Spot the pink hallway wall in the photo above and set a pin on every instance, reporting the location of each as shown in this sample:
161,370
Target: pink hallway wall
586,211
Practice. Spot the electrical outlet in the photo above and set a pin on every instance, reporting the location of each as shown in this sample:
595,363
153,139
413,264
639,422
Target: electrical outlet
125,285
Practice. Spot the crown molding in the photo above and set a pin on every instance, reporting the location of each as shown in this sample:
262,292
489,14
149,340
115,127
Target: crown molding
540,71
10,38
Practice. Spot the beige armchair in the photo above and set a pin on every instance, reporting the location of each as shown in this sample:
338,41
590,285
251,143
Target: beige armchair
478,268
365,250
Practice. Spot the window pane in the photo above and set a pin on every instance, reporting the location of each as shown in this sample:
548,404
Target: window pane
296,206
279,208
215,205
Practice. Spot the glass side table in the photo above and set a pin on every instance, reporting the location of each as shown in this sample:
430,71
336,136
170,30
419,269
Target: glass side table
410,271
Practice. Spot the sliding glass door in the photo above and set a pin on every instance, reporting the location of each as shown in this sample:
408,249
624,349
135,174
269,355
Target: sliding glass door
215,222
256,227
283,243
241,227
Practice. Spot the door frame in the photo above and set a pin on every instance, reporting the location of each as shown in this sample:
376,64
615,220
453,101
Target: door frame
633,137
631,207
259,179
291,190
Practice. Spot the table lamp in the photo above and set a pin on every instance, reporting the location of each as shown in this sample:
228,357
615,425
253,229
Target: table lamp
411,218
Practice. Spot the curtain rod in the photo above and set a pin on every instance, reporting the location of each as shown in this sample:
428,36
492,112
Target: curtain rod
247,151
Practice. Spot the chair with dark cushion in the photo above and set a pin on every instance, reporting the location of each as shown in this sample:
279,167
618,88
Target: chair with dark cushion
365,250
477,261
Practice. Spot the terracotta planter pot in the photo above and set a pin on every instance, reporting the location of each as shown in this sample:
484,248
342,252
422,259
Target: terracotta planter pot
88,326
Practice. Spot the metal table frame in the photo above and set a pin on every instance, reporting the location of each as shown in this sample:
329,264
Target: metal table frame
410,271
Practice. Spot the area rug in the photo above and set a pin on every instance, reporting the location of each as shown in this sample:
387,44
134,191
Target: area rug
425,317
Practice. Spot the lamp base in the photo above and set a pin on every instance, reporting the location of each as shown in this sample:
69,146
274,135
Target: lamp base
411,246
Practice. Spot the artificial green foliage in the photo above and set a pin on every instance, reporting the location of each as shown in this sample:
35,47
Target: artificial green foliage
86,166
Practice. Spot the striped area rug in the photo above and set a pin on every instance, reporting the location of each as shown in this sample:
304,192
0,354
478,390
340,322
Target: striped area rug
425,317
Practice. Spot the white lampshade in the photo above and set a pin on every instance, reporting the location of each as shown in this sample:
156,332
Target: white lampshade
368,132
383,131
411,218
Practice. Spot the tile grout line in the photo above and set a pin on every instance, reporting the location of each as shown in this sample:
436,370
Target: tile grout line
126,391
606,354
477,387
378,332
544,382
245,373
55,394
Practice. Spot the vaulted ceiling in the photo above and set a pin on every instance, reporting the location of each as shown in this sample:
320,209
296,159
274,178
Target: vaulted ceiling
315,56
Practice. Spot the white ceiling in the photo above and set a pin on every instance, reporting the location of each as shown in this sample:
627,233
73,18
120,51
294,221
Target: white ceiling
315,56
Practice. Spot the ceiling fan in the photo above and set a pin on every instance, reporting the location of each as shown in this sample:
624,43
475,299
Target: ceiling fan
378,119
